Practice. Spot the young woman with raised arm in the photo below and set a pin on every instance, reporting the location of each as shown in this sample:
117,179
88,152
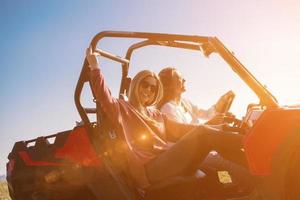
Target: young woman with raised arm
151,156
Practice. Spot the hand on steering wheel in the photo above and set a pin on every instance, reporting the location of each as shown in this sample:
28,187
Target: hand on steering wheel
216,120
226,122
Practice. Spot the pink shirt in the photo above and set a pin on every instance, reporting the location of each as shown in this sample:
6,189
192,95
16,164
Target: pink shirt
145,140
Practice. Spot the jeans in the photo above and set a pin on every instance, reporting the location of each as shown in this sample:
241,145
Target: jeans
186,155
240,175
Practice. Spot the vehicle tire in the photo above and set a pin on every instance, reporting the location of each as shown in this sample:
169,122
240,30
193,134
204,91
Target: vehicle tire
284,181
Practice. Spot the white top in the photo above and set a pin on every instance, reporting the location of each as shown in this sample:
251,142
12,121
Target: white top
186,112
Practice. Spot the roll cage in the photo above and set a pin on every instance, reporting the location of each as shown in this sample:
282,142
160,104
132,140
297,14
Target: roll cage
206,45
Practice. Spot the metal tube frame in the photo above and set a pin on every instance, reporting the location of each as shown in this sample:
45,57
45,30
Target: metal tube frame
171,40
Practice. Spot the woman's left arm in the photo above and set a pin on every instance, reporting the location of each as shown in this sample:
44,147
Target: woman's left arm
175,130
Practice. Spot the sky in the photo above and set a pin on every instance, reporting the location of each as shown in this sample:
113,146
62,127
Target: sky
43,44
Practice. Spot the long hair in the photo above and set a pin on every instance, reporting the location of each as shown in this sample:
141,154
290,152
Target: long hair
166,78
133,94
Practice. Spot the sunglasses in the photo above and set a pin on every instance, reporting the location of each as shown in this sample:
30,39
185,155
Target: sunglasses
146,85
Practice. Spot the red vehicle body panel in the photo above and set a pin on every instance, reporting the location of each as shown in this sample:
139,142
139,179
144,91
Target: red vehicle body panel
30,162
265,137
78,149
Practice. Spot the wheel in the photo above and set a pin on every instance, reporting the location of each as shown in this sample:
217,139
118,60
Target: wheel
284,181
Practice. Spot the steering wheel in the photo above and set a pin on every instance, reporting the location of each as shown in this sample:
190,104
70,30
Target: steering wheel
224,117
224,103
222,107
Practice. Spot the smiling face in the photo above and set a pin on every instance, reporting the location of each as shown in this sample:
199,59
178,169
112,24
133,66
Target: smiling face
173,83
147,90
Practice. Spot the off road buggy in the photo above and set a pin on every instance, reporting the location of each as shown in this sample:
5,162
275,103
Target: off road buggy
87,163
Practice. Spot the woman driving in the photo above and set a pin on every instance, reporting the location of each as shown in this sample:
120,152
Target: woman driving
147,131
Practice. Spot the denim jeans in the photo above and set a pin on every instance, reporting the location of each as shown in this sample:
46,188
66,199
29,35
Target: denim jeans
188,153
239,174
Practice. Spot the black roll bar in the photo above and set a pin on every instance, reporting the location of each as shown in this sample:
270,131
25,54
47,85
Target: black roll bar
119,34
112,56
171,40
175,44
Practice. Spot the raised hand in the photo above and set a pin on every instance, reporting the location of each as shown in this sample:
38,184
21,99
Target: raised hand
92,58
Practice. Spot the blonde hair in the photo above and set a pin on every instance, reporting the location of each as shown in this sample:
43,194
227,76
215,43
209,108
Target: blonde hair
133,94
